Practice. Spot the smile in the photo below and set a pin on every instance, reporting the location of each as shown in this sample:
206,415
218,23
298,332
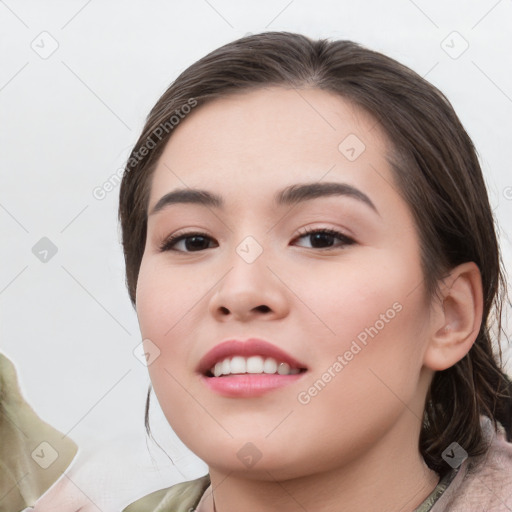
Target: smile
252,365
248,368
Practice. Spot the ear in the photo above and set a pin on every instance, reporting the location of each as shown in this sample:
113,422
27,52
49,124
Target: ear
456,317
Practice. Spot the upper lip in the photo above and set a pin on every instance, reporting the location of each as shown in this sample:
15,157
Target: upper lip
247,348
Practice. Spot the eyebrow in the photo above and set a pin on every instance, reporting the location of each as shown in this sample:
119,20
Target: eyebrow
290,195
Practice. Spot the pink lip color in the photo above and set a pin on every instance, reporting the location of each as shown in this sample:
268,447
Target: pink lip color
248,385
250,347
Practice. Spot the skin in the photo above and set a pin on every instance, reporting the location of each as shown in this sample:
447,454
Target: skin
356,441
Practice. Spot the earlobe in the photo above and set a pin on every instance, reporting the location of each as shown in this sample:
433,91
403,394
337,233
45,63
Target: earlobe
456,321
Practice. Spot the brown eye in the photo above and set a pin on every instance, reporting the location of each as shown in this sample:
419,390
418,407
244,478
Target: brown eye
326,238
192,242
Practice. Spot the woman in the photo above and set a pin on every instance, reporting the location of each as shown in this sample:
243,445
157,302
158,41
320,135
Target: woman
312,257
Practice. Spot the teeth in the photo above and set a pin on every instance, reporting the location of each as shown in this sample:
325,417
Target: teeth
253,364
283,369
270,365
217,370
238,365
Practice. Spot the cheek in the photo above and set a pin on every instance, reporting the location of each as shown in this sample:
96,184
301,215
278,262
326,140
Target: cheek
162,315
164,299
369,369
374,304
372,341
163,311
170,304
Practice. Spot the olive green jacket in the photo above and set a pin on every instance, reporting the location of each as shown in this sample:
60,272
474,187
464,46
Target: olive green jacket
33,455
183,497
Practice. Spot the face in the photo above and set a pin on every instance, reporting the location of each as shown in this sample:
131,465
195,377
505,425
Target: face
329,278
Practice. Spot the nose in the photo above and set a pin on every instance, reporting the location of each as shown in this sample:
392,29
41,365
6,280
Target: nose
249,291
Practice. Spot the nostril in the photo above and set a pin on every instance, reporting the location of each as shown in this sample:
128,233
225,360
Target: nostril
263,308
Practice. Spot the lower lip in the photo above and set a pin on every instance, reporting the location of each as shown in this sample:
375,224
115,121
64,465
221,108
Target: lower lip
249,385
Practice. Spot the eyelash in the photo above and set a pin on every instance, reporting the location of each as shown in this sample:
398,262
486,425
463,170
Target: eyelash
172,240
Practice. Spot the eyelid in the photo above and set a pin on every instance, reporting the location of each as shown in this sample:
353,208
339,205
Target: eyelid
178,236
346,239
333,230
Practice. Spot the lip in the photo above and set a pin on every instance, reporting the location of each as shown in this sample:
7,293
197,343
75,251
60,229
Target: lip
248,385
247,348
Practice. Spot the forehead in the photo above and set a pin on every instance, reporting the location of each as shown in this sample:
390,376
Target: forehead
268,138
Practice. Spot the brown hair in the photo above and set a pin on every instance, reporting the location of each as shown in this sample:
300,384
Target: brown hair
436,168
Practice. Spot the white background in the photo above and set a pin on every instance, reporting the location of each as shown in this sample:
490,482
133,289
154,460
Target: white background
68,122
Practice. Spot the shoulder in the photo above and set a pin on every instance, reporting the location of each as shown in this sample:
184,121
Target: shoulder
483,483
181,497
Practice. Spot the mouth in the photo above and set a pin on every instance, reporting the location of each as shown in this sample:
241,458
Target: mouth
248,368
254,365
